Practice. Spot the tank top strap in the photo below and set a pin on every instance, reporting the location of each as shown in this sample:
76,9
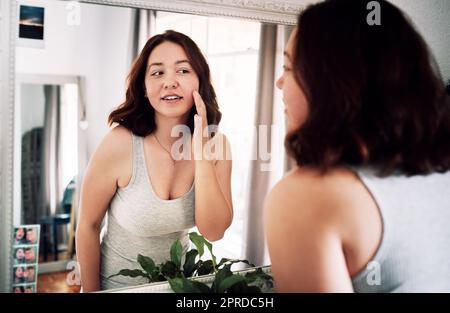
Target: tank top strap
138,156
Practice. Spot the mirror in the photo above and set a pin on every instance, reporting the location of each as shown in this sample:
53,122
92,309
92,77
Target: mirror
67,83
46,127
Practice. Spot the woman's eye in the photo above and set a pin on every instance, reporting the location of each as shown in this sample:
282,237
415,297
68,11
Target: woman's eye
285,68
157,73
183,71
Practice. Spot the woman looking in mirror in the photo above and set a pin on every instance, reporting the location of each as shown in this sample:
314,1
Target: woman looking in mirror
151,195
367,207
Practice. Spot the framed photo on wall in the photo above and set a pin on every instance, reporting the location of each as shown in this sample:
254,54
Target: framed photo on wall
31,25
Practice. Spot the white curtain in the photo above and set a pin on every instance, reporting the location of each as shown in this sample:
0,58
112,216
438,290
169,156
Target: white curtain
143,25
51,151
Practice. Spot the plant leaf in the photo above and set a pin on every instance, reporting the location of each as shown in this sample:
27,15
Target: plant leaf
156,274
132,273
209,245
192,287
243,287
229,282
189,264
147,264
203,288
176,284
182,285
220,276
175,253
198,241
257,274
233,261
169,269
223,261
205,267
161,277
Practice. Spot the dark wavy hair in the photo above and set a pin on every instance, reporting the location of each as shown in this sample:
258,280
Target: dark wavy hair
374,93
137,114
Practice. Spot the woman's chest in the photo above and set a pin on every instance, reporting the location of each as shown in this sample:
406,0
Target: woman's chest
170,181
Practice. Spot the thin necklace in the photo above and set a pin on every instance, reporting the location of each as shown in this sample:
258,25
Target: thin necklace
168,152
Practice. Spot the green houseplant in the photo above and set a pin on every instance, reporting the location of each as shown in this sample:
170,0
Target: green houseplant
180,275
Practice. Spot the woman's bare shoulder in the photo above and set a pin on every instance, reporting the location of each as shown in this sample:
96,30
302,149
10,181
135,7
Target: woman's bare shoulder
115,145
308,189
119,135
336,204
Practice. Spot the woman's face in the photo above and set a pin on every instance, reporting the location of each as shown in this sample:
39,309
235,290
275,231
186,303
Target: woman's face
19,233
296,105
19,272
20,254
170,80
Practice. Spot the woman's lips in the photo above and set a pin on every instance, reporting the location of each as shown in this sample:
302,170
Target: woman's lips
171,101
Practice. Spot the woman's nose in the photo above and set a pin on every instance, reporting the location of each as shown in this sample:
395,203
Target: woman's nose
170,83
279,83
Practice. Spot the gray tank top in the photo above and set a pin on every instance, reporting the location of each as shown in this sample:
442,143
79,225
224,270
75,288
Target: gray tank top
414,254
140,222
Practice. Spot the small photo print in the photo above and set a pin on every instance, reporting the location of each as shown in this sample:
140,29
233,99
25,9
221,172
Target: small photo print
24,288
26,235
25,255
31,23
19,235
24,274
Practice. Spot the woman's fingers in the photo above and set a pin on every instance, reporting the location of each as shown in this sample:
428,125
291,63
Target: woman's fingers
197,138
201,108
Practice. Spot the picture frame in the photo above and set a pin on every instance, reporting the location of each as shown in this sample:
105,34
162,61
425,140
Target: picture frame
31,25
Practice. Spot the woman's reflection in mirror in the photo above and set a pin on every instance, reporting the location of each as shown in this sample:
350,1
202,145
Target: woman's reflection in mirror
150,195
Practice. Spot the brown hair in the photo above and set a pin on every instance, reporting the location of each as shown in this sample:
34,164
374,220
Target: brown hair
374,97
137,114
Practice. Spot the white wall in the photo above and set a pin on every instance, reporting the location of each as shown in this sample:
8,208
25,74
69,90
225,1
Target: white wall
432,20
113,69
